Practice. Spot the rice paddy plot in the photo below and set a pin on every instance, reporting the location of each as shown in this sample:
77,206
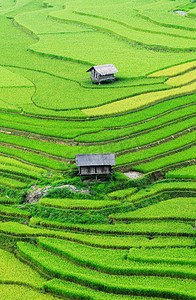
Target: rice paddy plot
36,159
68,94
160,187
77,203
175,209
165,16
15,98
175,70
182,79
171,255
115,121
161,228
38,23
185,156
106,135
112,261
126,32
153,152
64,269
138,101
10,79
88,53
14,271
187,172
12,183
68,151
127,15
71,289
18,292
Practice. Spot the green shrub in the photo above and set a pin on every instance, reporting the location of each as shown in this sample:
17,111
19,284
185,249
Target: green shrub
121,194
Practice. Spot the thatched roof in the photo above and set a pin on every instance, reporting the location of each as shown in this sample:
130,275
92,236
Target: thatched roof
97,159
104,69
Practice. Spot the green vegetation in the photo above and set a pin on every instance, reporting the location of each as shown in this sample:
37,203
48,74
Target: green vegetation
107,260
121,194
65,269
78,204
136,102
14,271
175,70
188,172
172,209
163,228
12,211
160,187
13,291
169,255
62,238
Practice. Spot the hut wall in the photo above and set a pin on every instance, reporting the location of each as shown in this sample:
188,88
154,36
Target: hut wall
96,76
91,170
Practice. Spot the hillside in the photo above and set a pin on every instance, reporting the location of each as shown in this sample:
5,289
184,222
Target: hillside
119,238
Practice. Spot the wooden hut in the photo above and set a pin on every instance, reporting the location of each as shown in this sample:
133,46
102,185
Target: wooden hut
102,73
95,164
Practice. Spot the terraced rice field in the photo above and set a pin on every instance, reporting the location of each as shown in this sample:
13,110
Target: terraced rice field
112,239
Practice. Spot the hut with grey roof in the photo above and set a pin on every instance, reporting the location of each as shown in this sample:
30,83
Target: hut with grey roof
95,164
102,73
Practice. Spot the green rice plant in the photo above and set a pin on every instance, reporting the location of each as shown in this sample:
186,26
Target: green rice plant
19,292
68,89
183,156
138,101
187,172
185,78
34,158
129,17
121,194
133,237
163,228
147,38
10,79
175,70
162,186
116,121
77,203
158,14
7,200
70,151
20,171
13,211
169,255
112,261
172,209
76,291
29,20
12,183
52,132
162,149
186,7
8,161
192,13
64,269
14,271
16,97
106,134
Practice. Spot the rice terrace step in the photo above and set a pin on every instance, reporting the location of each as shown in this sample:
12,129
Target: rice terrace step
97,149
